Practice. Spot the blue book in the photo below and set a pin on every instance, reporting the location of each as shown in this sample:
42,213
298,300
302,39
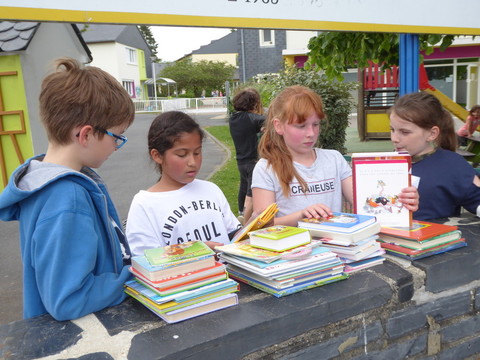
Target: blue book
338,222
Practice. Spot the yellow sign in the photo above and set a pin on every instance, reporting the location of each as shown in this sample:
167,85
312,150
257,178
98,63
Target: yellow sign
407,16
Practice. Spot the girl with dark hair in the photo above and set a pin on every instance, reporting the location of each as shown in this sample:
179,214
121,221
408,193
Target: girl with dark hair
179,207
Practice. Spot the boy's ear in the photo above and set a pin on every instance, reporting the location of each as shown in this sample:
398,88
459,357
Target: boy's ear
156,156
84,133
278,126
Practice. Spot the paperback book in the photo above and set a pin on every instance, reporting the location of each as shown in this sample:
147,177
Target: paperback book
279,238
341,222
378,179
244,249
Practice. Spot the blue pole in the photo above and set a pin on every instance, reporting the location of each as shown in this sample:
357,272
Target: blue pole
409,63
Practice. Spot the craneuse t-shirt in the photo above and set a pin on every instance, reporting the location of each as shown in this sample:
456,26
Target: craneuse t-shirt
324,180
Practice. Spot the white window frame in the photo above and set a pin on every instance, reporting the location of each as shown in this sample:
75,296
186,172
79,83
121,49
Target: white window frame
264,43
131,55
129,85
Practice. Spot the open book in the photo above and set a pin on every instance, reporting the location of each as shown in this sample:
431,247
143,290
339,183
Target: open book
256,222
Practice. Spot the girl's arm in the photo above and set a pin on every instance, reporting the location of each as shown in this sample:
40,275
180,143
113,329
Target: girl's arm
347,189
468,125
263,198
410,198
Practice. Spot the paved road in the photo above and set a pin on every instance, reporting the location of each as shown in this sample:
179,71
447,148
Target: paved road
126,172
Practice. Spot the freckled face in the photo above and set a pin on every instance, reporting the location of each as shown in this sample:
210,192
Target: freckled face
407,136
181,163
300,138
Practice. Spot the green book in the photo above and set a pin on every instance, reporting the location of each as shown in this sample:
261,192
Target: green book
178,253
279,238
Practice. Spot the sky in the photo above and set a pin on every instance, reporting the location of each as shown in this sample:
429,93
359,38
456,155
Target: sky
175,42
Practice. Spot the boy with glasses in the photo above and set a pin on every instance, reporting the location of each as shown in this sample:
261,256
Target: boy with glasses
73,249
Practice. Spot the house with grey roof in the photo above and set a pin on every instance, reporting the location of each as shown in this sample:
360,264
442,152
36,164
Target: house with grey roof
27,52
122,51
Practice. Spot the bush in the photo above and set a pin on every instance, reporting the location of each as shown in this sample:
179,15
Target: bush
336,98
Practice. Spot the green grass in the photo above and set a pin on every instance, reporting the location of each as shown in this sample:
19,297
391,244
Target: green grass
227,178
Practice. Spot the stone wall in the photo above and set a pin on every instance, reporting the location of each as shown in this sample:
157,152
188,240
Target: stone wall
428,309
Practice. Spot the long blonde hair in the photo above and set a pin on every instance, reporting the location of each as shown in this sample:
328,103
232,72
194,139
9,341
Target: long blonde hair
292,106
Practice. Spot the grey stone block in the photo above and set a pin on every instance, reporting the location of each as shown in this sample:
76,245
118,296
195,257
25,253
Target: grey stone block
463,329
414,318
446,271
398,350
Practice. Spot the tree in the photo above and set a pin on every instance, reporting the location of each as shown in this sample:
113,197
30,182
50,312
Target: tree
197,76
150,39
335,52
336,97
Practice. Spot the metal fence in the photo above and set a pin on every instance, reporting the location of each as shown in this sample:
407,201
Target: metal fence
211,104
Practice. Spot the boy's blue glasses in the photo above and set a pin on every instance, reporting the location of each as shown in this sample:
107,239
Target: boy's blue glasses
120,140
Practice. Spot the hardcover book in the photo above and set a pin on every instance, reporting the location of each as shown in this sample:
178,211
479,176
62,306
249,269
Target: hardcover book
421,245
410,254
378,179
339,237
181,279
341,222
419,231
279,238
156,273
257,222
176,253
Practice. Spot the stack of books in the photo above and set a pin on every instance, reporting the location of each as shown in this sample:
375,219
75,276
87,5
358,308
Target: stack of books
421,240
352,237
181,281
285,261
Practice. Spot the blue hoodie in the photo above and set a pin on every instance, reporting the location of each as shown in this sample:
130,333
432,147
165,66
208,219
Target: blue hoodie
69,239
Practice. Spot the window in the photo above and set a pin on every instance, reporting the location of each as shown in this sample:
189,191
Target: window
267,38
131,55
129,85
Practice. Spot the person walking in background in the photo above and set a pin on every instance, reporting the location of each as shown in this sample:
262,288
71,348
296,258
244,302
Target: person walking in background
471,124
421,126
74,254
245,127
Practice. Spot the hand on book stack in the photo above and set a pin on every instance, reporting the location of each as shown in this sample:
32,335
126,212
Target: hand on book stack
352,237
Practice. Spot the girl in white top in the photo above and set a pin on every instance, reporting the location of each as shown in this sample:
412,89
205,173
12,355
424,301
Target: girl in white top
303,180
178,208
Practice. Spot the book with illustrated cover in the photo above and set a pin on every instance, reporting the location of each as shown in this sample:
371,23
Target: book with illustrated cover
257,222
418,231
279,237
171,255
244,249
378,179
341,222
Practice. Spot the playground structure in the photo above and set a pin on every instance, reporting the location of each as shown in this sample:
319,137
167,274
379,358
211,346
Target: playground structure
378,92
